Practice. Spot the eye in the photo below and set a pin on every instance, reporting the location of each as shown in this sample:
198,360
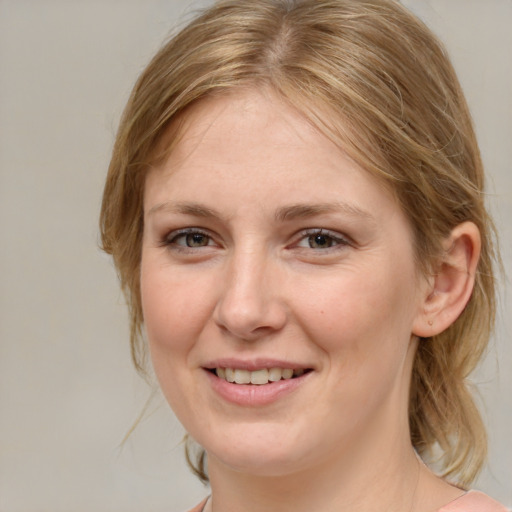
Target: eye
190,238
319,239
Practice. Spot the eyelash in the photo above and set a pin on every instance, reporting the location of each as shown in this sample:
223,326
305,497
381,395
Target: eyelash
335,239
171,239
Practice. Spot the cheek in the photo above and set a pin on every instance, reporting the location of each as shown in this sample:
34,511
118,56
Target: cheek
172,310
365,312
363,326
160,309
171,319
173,305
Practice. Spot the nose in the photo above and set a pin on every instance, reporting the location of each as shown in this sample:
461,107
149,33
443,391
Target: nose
251,304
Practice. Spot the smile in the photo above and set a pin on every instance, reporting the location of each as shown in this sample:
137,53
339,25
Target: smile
258,377
255,383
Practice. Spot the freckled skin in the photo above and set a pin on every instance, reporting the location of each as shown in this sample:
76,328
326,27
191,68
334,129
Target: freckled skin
263,240
336,291
347,313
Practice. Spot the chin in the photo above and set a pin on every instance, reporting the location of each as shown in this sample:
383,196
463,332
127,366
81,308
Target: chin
256,463
260,452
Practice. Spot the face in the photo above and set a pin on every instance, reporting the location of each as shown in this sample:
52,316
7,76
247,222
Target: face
271,259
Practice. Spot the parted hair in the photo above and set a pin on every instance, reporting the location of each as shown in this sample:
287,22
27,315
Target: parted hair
375,80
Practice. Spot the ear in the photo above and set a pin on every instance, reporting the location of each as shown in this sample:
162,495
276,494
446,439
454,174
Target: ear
450,288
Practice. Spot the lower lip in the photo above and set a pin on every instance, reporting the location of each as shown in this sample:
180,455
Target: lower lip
253,395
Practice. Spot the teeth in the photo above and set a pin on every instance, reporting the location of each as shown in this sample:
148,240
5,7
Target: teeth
242,376
275,374
230,375
258,377
287,373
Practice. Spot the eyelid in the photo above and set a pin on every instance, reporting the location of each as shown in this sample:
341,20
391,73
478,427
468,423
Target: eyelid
169,240
340,238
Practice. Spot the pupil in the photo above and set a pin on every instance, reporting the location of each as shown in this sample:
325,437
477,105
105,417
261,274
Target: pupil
320,241
195,240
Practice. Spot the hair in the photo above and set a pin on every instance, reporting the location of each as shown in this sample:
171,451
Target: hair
375,80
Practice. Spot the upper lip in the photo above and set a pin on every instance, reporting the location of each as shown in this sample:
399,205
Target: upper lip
254,364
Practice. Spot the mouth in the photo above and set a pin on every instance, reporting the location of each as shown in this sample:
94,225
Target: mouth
258,377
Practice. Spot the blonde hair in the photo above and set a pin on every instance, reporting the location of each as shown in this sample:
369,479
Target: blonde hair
376,81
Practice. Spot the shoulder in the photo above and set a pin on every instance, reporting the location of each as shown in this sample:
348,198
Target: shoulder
474,501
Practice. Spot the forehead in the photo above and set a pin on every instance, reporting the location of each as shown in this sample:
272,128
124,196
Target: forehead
238,114
264,112
254,145
245,124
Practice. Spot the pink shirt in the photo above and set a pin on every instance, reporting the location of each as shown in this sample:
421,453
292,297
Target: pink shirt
472,501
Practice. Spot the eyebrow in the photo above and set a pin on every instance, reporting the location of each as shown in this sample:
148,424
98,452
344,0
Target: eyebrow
299,211
193,209
283,214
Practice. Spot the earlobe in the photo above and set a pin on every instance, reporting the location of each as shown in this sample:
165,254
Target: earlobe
449,290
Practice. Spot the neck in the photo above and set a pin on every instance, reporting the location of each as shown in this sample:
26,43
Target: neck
366,479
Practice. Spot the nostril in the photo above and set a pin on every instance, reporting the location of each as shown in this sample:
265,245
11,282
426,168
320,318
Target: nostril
248,310
246,333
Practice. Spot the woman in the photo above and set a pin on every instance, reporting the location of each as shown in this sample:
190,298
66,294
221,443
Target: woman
295,208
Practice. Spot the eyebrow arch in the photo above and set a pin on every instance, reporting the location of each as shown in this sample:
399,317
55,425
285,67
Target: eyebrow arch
300,211
286,213
193,209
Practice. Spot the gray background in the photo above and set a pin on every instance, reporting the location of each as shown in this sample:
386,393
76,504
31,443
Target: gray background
68,393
